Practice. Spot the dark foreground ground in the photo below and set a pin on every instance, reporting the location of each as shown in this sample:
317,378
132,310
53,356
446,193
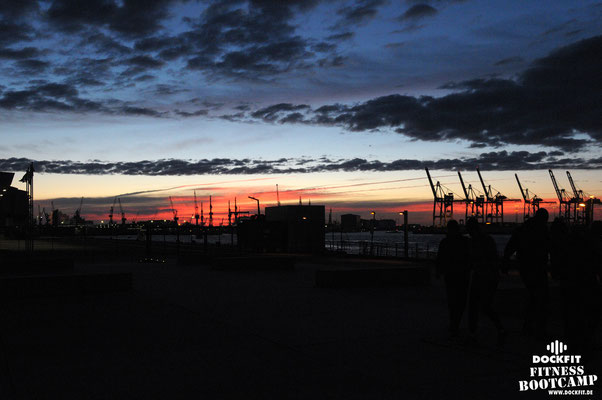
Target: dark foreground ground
193,332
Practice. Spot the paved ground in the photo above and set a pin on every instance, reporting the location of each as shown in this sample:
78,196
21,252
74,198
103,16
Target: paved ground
192,332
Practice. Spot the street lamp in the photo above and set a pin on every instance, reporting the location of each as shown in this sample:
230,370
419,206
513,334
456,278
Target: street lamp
372,232
258,209
405,233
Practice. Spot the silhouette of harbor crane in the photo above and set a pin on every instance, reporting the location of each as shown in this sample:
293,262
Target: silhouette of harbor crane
443,204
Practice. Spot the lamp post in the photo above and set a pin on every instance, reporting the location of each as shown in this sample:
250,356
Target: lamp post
405,233
257,200
372,232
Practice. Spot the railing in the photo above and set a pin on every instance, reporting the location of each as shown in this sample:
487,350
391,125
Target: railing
382,249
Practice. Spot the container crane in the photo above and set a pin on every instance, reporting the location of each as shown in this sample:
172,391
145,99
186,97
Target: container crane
196,210
123,218
229,214
443,204
202,216
564,203
111,211
210,212
494,206
237,212
577,201
474,202
578,193
530,204
174,211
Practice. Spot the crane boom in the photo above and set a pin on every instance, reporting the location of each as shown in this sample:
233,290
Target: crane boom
463,187
575,191
522,192
428,174
487,192
556,188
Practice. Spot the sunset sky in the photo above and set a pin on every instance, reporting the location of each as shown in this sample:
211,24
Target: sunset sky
341,102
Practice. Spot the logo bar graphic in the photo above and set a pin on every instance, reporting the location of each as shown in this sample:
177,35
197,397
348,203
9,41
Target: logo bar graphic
556,347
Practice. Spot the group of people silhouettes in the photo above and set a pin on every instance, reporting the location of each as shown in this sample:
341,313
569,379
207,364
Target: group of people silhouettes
572,257
470,267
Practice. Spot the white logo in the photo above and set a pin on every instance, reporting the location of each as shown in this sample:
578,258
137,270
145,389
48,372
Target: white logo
559,373
556,347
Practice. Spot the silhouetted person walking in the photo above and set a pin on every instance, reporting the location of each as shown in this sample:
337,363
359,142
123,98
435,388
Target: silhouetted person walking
583,286
560,251
485,277
531,243
453,264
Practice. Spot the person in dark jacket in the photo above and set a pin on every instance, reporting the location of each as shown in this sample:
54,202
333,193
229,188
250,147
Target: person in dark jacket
531,243
560,268
484,282
583,286
453,264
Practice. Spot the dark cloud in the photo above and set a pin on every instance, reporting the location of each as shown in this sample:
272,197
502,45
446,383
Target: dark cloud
48,97
57,90
248,40
255,40
196,113
144,62
127,17
293,118
86,81
12,9
43,96
168,48
33,66
271,113
558,97
106,45
489,161
147,112
358,13
418,11
11,32
19,54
